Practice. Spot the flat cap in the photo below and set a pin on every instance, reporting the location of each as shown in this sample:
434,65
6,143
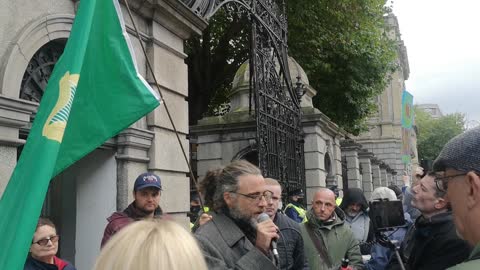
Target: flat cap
461,153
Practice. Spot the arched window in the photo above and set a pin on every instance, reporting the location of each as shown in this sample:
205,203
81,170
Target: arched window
39,70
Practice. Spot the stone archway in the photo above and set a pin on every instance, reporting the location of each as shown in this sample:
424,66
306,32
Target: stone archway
249,154
39,70
33,37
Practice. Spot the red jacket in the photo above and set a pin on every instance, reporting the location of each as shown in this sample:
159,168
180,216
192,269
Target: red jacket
118,220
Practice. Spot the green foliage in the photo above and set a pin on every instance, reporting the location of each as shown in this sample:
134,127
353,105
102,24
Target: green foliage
346,54
213,60
433,133
341,44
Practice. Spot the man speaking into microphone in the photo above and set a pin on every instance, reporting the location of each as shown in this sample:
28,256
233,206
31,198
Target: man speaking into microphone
234,238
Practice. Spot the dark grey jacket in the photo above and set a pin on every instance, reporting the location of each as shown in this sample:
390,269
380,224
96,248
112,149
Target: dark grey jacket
290,244
431,244
225,246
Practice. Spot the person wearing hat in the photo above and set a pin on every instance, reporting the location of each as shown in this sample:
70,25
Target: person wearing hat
355,207
336,191
146,194
459,161
294,209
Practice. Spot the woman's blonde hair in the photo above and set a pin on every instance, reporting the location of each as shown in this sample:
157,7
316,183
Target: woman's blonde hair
151,245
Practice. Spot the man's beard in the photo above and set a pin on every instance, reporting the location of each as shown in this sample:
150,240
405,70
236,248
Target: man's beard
237,214
351,213
147,212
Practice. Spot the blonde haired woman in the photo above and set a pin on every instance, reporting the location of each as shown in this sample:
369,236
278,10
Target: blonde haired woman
151,245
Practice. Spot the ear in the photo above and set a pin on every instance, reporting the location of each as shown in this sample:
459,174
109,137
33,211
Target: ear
473,189
441,203
228,198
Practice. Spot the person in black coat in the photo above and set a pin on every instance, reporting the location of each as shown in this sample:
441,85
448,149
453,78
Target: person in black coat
290,243
44,248
432,242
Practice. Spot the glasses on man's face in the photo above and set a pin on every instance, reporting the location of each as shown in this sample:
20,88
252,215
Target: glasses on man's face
442,181
44,241
257,197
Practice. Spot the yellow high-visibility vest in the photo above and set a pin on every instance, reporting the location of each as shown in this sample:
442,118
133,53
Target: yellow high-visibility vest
338,201
301,212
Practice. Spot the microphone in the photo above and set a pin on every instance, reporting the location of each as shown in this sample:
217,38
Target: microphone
261,218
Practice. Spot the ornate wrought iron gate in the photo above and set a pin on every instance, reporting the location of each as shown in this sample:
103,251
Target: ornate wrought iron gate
277,105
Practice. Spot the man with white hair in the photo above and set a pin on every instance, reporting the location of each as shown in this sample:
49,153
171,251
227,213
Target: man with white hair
380,254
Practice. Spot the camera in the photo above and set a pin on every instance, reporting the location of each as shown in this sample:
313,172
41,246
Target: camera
386,215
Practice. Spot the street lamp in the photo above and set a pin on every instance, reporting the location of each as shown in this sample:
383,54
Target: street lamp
300,89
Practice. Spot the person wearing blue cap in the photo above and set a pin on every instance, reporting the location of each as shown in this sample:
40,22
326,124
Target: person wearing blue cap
146,194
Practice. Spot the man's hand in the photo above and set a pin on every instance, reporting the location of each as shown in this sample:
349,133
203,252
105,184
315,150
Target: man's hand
266,231
204,218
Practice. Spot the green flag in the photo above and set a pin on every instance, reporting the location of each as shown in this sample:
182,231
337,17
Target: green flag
94,93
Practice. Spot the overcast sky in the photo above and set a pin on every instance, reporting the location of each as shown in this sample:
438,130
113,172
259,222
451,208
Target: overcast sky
442,40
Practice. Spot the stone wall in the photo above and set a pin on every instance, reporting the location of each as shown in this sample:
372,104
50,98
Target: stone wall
150,144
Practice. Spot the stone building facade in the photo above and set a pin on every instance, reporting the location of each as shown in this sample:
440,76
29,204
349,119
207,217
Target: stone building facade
32,36
384,137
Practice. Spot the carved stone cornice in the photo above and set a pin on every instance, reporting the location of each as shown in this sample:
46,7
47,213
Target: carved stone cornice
133,145
350,145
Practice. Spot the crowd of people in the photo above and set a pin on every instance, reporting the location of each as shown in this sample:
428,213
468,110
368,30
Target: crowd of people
243,225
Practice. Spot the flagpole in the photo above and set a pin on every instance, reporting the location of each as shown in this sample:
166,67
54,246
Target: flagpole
164,102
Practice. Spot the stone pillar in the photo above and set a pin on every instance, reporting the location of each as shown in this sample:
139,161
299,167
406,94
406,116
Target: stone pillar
167,26
383,174
367,177
350,152
14,114
314,148
133,145
376,175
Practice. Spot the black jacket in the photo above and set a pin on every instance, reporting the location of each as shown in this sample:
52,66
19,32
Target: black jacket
290,244
432,244
33,264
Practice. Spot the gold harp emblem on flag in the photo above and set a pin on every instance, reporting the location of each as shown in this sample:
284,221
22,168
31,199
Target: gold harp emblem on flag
54,127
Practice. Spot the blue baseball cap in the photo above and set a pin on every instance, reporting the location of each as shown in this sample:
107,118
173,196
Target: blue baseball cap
147,179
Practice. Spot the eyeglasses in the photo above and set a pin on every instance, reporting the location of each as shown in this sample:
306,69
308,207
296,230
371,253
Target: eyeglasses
44,241
257,197
442,181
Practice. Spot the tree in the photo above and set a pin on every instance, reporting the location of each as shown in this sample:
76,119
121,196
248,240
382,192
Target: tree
341,44
434,133
343,47
213,60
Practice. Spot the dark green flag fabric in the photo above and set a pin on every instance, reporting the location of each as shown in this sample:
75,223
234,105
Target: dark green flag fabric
94,93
